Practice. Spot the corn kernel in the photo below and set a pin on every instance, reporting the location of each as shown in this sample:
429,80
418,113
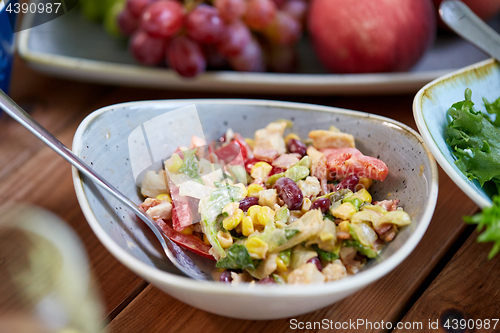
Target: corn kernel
343,226
230,208
250,142
205,239
253,212
344,211
265,216
306,204
254,189
291,136
174,163
247,226
365,183
261,170
231,222
225,239
188,230
281,266
325,236
164,197
257,247
362,195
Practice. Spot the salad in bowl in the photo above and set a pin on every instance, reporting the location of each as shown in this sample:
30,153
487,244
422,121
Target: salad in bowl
275,208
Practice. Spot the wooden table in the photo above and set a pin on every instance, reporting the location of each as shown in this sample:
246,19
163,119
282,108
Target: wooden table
446,276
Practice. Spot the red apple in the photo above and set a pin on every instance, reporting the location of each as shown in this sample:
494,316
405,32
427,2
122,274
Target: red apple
485,9
366,36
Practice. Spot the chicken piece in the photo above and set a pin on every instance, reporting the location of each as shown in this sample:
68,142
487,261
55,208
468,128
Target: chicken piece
329,139
309,187
389,205
305,274
347,161
286,161
268,198
269,142
387,231
157,209
319,168
148,203
334,271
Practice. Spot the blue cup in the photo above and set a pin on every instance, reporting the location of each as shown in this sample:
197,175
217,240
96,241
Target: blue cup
6,44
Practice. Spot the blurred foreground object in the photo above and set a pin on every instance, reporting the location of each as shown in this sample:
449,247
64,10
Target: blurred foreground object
45,281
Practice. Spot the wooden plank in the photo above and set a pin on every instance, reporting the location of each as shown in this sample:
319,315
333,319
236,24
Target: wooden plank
53,103
467,288
383,300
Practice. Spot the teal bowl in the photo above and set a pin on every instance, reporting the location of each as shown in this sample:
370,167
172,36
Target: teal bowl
430,108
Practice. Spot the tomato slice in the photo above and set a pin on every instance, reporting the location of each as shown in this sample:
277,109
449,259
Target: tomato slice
181,211
347,161
190,242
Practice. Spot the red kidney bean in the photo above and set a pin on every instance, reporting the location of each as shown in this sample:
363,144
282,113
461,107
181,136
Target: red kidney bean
267,280
276,170
248,202
348,182
321,203
297,147
226,277
289,192
316,261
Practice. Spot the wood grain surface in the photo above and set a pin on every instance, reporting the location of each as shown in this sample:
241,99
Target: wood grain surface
448,270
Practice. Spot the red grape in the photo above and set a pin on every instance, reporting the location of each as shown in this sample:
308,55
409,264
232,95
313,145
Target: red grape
205,25
279,3
316,261
147,50
260,13
235,39
284,30
231,10
214,58
251,58
186,56
297,9
127,23
136,7
282,59
163,19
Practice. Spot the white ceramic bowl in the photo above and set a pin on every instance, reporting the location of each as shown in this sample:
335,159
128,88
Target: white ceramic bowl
431,104
102,141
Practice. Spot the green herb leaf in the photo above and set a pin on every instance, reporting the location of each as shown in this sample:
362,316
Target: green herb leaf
289,233
237,257
326,256
190,165
370,253
489,220
285,256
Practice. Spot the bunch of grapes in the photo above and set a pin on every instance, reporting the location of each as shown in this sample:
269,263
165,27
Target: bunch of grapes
189,36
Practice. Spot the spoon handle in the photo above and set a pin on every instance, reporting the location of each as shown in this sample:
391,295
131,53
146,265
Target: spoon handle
469,26
16,112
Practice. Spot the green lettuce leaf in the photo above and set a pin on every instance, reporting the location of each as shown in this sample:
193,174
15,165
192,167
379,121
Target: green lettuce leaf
475,140
237,257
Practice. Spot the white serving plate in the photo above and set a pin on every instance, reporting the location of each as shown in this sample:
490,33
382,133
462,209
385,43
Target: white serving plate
72,47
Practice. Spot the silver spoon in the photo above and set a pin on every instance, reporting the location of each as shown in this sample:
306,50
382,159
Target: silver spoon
189,263
469,26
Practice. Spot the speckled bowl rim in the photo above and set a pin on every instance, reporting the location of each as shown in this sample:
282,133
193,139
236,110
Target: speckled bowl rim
424,130
354,282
